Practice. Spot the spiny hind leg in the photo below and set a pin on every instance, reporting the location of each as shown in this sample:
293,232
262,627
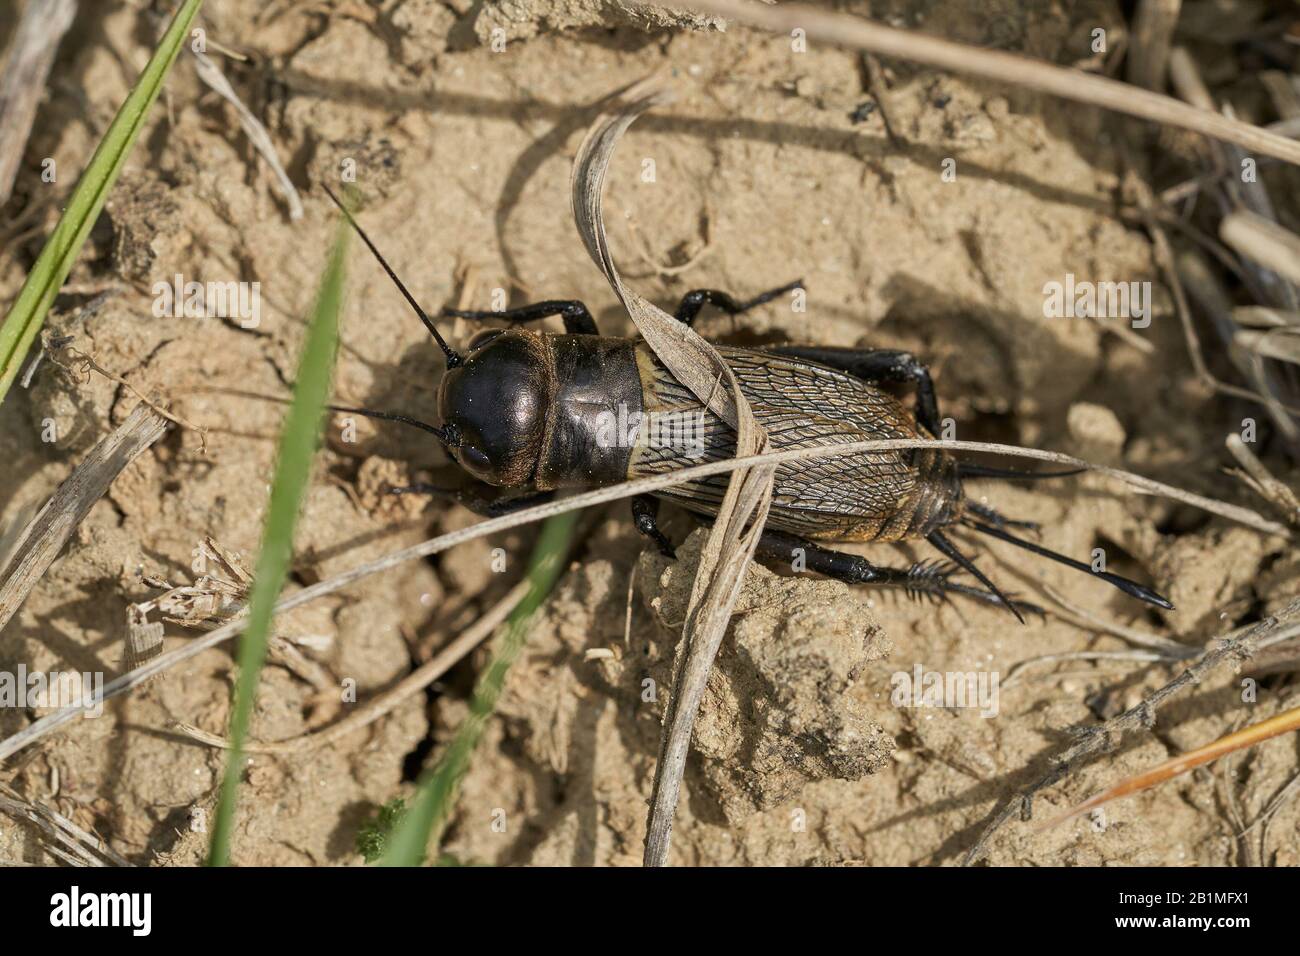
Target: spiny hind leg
923,579
688,310
886,366
577,318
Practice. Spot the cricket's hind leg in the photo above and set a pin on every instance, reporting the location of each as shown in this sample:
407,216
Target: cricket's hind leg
688,310
923,579
878,366
577,318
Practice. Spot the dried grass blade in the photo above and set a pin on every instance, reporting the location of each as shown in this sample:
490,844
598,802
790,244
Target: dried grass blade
696,364
120,685
1264,241
47,533
862,34
1246,737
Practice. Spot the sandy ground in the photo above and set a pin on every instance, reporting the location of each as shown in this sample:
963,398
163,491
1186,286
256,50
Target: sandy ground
761,175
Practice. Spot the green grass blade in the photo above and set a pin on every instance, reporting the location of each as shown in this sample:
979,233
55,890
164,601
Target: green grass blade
24,320
432,804
298,441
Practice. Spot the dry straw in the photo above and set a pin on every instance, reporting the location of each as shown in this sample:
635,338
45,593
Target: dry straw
44,537
857,33
694,362
22,82
125,682
735,533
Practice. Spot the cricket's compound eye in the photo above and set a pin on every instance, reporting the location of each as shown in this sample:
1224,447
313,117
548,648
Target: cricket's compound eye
475,460
496,403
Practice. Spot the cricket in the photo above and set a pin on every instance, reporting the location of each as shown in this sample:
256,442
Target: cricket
521,412
569,435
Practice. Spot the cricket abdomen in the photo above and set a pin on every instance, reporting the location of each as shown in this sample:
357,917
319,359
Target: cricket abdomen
872,496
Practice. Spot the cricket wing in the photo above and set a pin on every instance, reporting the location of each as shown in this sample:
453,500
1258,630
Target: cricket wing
865,496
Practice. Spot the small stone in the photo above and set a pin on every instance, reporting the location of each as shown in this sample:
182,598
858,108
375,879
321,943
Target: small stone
1095,427
997,107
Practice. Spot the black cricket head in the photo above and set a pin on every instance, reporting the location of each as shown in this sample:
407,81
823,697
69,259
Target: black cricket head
492,403
493,406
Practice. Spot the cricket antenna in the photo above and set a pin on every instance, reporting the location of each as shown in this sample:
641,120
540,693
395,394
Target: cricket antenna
1131,588
949,550
453,357
447,435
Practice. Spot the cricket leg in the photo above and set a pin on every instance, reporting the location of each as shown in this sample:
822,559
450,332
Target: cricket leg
923,579
577,319
645,515
692,302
